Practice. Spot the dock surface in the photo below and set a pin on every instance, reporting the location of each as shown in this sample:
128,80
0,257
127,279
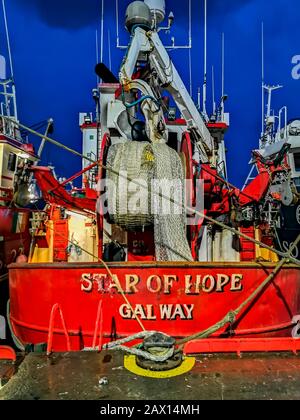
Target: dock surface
92,376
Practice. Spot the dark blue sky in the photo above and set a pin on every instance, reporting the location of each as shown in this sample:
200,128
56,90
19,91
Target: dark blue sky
53,44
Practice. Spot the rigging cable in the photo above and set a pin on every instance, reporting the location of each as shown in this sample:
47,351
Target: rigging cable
188,208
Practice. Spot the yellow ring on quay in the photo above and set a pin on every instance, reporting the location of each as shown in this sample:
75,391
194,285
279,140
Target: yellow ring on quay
186,366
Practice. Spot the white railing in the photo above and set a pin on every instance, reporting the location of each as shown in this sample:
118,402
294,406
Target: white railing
9,128
282,131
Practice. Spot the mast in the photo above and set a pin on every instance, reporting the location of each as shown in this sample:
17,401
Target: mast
223,78
97,53
213,89
190,49
8,39
190,23
102,32
268,121
263,80
191,75
270,90
205,60
109,51
10,61
117,23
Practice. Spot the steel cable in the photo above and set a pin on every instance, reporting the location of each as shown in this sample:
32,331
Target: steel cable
187,208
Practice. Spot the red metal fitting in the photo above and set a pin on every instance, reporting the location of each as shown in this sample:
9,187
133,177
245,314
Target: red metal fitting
245,345
7,353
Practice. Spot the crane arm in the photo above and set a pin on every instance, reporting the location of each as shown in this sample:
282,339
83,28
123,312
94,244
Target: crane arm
169,75
148,44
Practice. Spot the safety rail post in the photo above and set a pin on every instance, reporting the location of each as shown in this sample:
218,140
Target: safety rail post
56,308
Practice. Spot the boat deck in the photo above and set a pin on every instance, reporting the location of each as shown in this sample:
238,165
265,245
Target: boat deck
78,376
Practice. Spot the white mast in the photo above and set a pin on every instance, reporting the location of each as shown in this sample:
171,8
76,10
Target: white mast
270,90
109,51
191,74
205,60
223,78
263,80
8,39
270,119
97,53
10,60
117,24
213,90
190,49
102,32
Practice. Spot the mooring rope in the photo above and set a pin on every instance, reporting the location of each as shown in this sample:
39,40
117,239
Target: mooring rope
119,345
114,278
187,208
230,318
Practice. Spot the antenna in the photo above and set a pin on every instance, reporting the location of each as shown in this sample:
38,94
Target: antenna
205,60
117,23
102,32
10,60
191,73
109,51
190,49
97,53
223,78
8,39
223,64
190,24
263,77
213,89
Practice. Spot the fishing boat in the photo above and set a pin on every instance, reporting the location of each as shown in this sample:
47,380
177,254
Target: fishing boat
15,224
278,132
158,244
17,187
15,157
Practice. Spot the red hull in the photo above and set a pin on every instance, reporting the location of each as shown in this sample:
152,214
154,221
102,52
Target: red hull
15,235
14,240
78,289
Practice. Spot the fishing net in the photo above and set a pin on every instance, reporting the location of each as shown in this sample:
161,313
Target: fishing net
158,179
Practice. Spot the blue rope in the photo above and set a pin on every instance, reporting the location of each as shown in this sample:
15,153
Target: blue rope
140,100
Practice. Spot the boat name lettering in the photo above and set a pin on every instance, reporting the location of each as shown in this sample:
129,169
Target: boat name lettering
162,284
165,312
